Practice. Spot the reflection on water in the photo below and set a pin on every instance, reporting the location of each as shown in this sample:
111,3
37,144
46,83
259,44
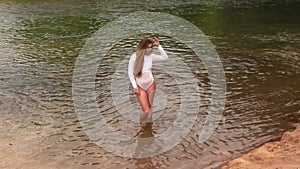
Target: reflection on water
39,42
146,138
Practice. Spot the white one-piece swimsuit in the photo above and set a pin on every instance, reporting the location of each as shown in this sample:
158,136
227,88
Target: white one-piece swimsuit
146,79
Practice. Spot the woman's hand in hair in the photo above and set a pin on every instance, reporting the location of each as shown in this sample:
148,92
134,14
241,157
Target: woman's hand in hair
156,41
137,91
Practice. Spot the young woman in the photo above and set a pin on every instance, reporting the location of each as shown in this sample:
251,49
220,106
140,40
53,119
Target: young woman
141,78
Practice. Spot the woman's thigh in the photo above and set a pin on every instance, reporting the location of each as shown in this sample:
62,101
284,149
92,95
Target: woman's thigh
144,100
151,92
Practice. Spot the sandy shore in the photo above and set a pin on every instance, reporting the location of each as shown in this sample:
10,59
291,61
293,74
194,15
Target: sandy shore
283,154
18,150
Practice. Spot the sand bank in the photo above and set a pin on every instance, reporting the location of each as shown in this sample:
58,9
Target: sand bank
283,154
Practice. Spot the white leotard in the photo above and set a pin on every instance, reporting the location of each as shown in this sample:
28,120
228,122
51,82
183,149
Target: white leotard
146,79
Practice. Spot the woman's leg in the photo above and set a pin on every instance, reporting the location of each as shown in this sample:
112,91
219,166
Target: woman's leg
151,92
144,101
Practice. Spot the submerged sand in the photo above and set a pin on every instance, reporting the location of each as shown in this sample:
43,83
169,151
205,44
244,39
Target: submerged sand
18,145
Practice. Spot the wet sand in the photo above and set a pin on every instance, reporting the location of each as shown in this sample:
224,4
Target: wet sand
23,147
283,154
19,145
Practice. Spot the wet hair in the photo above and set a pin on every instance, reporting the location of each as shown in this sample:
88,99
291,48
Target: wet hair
140,54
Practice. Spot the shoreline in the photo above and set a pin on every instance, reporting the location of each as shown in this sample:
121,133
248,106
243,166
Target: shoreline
19,150
282,154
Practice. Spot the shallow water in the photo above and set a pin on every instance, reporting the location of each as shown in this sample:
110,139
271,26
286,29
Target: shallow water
258,44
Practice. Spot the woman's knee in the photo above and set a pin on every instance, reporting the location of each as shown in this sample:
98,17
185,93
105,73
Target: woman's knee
147,109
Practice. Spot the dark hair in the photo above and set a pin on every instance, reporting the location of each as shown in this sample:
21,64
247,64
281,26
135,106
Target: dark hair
144,43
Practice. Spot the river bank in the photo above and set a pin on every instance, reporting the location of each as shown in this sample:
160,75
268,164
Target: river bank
19,150
283,154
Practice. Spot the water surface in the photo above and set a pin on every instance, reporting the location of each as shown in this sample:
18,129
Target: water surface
258,44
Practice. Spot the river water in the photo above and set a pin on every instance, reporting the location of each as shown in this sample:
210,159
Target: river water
257,42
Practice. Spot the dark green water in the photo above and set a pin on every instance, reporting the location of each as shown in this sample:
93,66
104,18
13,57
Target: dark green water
258,43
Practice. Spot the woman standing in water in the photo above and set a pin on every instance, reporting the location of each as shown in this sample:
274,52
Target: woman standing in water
141,78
